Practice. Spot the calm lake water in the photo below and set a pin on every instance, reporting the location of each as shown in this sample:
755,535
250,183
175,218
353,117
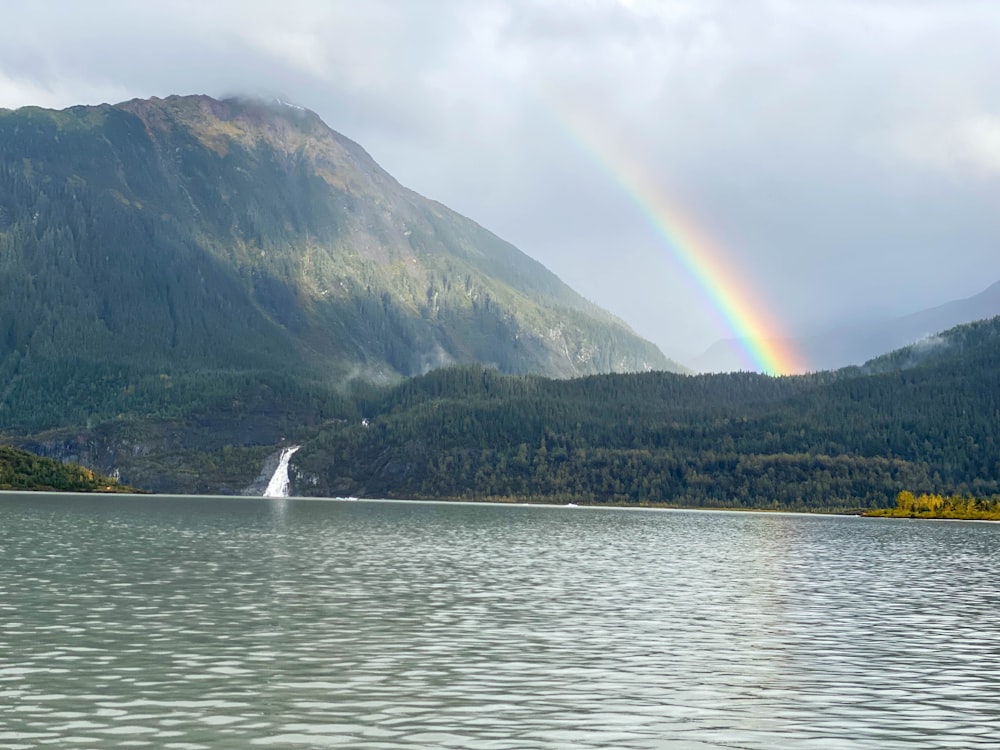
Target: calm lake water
233,623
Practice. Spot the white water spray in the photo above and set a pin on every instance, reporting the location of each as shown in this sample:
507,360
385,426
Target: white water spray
278,486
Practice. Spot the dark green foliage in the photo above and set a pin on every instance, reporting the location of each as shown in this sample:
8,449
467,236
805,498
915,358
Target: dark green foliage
213,242
845,440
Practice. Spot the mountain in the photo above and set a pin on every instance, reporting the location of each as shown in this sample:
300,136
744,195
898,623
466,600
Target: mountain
924,419
857,343
164,257
189,285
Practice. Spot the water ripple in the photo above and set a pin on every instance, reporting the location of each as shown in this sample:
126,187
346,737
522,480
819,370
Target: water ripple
200,623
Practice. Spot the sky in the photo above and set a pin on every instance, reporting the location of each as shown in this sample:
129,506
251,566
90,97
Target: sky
836,159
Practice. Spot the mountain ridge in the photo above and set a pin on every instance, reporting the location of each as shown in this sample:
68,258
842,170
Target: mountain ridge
919,419
922,418
170,236
855,344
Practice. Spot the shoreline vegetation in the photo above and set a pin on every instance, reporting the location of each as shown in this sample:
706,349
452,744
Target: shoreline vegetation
22,471
26,472
932,506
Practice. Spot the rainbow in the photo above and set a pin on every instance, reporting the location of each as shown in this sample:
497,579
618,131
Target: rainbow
759,334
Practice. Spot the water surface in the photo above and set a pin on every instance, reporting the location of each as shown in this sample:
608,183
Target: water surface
232,623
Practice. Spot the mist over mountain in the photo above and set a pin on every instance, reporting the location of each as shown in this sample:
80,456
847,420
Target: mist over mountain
861,341
924,417
158,244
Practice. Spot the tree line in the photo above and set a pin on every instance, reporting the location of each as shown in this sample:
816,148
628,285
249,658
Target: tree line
849,440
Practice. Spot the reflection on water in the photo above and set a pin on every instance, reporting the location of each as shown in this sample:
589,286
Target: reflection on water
211,623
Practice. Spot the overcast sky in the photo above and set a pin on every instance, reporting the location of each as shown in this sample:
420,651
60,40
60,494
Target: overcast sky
844,155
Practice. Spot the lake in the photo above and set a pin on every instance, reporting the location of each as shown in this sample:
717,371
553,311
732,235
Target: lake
230,623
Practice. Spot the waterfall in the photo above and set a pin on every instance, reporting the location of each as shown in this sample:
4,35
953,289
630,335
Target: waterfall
278,486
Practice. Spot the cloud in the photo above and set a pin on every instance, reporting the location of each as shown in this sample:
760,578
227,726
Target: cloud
842,153
962,148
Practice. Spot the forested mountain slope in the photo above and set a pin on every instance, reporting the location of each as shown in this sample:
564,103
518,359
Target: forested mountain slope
188,245
190,284
920,419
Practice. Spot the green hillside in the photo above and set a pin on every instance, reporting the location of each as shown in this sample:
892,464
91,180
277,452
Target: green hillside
161,257
923,419
851,439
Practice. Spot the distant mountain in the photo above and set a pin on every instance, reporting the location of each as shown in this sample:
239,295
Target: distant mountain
164,255
961,345
855,344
